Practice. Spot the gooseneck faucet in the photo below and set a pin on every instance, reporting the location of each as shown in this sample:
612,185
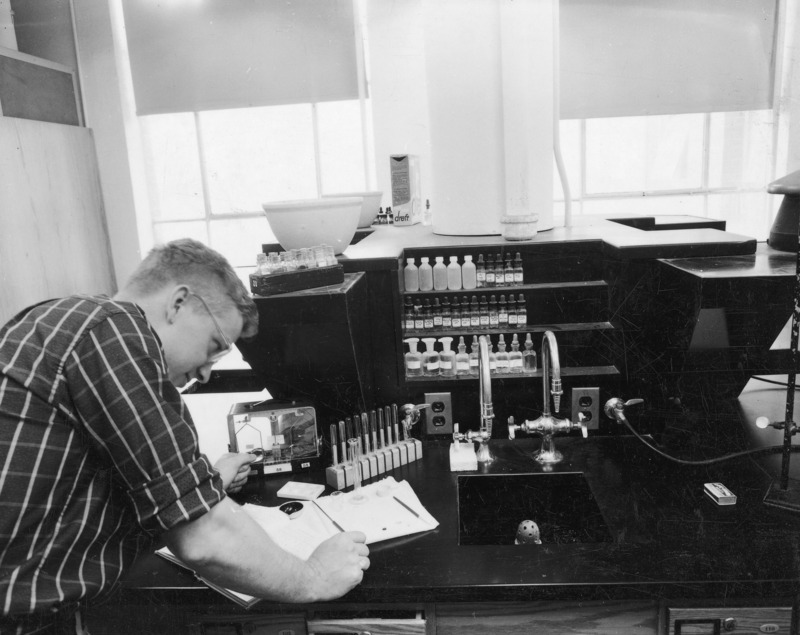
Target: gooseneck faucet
484,434
547,425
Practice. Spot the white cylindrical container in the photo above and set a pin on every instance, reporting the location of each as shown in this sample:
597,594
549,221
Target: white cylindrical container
469,279
411,275
440,274
425,275
454,274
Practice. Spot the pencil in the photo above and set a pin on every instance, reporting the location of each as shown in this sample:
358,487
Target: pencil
406,506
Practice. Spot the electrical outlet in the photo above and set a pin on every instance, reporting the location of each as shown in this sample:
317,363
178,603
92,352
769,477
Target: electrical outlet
439,417
586,401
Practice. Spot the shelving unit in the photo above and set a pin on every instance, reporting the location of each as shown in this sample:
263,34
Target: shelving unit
564,291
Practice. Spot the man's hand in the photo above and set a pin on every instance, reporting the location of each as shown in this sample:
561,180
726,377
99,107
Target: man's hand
339,564
234,467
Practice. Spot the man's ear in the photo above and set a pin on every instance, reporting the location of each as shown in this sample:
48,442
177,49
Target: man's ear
176,299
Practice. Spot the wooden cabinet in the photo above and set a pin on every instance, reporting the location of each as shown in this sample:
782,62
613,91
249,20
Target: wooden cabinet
553,618
754,620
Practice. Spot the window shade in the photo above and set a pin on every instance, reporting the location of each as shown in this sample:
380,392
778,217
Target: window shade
649,57
192,56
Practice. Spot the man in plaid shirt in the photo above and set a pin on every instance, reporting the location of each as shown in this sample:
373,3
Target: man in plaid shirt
97,449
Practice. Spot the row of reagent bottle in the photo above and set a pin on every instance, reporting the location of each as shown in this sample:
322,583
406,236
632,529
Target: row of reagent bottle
449,363
439,277
432,315
492,272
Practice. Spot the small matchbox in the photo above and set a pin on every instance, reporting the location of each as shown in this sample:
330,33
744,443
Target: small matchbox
720,494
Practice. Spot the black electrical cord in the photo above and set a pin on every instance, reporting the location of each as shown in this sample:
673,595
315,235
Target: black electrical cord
772,449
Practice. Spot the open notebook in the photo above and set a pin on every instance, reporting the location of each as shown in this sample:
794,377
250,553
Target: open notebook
389,509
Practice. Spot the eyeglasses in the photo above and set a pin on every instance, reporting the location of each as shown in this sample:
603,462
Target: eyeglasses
228,344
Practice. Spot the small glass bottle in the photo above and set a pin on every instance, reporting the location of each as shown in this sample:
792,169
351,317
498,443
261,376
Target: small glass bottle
529,364
480,272
455,310
413,359
519,274
509,271
474,313
411,275
439,274
462,359
425,275
512,311
447,315
419,315
469,273
522,312
437,315
502,356
454,274
515,357
484,313
262,264
490,280
494,315
408,314
427,316
499,271
502,312
474,358
447,358
430,358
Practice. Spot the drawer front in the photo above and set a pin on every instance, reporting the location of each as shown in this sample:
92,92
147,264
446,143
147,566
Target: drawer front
756,620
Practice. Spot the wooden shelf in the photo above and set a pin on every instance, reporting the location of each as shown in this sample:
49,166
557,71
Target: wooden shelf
538,286
574,371
529,328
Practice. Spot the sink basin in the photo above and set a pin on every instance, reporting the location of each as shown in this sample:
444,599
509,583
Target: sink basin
491,507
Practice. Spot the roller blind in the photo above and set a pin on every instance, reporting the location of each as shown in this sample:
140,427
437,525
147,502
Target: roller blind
191,56
649,57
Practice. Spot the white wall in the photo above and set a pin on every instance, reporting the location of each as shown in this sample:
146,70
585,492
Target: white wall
110,113
7,36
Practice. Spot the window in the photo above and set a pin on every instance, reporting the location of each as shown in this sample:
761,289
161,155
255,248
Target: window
209,172
713,165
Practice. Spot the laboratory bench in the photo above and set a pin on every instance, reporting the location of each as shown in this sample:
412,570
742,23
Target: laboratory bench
662,544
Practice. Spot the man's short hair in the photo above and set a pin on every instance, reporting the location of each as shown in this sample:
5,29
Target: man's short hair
204,270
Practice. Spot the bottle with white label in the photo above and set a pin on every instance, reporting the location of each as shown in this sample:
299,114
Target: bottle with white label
411,275
447,358
454,274
474,357
425,275
515,357
413,358
430,358
440,274
469,273
529,364
462,359
502,355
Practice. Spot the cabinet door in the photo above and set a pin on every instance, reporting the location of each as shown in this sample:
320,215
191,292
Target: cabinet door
737,621
506,618
367,627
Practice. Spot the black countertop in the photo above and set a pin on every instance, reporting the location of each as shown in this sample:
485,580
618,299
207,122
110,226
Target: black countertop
666,539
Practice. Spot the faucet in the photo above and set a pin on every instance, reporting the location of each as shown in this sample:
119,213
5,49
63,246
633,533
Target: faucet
547,425
484,434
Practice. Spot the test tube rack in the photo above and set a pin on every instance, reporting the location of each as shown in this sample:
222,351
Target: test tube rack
383,448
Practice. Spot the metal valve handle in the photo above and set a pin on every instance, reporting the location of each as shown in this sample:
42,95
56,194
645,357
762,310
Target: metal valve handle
411,413
512,429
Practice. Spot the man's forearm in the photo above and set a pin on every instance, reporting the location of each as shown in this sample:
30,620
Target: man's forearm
229,548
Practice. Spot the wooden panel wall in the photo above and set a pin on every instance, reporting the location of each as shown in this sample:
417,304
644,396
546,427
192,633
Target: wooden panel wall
53,238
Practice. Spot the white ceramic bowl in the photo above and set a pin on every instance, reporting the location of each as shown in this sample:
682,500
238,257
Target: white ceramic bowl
370,205
321,221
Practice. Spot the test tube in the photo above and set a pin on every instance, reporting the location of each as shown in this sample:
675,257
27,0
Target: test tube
357,496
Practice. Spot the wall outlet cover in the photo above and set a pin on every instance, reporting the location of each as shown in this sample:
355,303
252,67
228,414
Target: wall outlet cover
439,417
587,402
